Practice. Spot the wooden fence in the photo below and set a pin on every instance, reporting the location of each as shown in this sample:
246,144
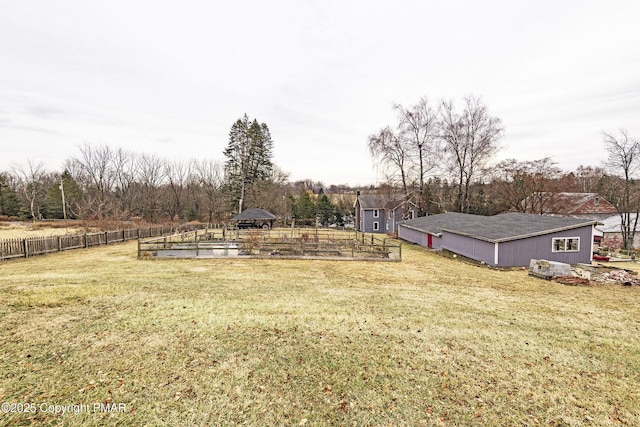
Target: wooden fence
24,248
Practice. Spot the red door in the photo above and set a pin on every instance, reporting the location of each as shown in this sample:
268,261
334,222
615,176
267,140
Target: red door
429,240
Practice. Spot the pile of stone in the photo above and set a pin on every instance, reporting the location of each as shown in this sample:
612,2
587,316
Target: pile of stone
616,277
582,274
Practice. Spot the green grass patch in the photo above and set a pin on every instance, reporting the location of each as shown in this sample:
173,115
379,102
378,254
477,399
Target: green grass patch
427,341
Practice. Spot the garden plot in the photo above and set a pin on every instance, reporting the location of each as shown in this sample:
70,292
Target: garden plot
285,244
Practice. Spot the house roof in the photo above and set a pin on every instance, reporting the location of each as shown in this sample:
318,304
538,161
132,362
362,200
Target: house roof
253,214
571,203
498,228
379,201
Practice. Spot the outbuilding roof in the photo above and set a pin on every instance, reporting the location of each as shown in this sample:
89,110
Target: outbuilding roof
498,228
253,214
433,224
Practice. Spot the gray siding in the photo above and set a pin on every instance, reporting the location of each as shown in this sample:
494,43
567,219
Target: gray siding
368,220
519,253
413,236
419,237
469,247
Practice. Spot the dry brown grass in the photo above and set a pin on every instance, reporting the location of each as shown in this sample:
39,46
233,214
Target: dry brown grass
26,229
428,341
23,230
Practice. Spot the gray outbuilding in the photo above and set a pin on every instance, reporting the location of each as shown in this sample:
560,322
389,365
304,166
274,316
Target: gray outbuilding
505,240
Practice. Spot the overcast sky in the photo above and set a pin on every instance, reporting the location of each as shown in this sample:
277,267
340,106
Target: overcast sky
170,78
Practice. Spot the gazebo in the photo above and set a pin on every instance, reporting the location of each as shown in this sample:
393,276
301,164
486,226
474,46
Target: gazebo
254,218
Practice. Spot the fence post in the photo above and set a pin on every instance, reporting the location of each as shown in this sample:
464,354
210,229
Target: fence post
59,244
106,237
86,240
138,247
26,248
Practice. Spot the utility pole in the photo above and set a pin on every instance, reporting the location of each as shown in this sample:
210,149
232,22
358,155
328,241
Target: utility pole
64,207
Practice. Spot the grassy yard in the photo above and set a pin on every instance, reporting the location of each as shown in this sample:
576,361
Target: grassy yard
427,341
22,230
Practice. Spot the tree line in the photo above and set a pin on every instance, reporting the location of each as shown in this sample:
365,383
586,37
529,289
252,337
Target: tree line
438,156
105,183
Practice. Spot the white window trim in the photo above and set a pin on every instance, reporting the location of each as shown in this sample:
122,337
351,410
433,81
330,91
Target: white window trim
376,226
565,239
376,213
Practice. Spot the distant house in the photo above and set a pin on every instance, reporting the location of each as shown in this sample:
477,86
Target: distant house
379,213
254,218
609,230
577,205
506,240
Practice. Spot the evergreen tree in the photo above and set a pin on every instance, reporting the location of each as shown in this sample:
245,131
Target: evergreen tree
305,208
248,154
53,201
343,212
9,200
326,209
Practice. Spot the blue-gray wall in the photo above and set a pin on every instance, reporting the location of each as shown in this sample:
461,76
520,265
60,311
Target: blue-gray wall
367,220
519,253
478,250
419,237
516,253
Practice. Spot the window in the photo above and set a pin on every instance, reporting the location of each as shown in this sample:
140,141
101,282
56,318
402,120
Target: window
412,214
376,213
566,244
376,226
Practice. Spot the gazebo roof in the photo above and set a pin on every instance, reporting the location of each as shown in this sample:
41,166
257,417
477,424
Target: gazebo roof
253,214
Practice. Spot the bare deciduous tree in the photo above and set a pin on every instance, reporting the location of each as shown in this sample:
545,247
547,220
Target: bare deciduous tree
126,169
527,186
624,160
470,139
392,153
93,170
418,127
177,175
210,178
151,179
32,184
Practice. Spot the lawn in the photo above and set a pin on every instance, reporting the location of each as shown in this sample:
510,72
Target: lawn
23,230
426,341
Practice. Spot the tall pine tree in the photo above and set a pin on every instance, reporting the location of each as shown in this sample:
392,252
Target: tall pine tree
9,200
325,209
248,154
